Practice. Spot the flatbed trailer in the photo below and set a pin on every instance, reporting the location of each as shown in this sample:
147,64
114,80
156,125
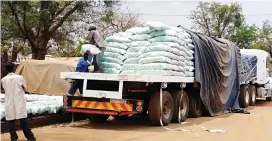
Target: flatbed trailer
164,97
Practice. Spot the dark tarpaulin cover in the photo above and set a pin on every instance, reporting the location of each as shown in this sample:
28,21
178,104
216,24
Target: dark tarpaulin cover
248,70
216,69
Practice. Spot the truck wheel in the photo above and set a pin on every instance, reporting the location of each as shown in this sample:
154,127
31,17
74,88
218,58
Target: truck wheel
154,111
244,96
195,106
181,106
253,94
98,118
268,98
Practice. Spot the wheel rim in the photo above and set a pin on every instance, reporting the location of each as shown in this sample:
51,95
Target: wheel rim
247,97
182,107
253,95
166,109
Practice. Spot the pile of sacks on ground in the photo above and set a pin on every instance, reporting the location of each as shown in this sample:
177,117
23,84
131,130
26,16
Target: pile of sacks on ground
154,49
37,104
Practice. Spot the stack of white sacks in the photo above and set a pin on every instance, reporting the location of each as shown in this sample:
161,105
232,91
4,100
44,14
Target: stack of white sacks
37,104
155,49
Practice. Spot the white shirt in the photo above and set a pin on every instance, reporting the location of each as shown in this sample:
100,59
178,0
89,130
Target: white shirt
15,102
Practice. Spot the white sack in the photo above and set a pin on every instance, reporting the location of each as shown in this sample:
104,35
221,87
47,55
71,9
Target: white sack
111,65
135,72
118,39
141,37
112,60
115,50
160,53
111,70
132,55
157,59
117,45
158,26
139,30
158,66
126,67
139,44
167,39
135,49
92,48
155,72
131,61
113,55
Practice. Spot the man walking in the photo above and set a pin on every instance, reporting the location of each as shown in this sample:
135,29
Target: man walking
96,39
15,104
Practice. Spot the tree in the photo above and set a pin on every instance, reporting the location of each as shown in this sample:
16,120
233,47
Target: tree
216,19
244,36
38,21
107,21
113,22
264,40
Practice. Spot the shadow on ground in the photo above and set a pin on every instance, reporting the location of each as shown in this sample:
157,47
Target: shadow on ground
141,123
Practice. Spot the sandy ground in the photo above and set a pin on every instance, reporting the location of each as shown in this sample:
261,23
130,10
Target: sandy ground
238,127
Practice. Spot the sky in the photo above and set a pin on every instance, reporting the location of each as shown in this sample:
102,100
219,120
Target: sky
176,12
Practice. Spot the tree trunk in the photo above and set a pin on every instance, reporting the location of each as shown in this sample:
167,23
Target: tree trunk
39,52
4,61
270,50
14,54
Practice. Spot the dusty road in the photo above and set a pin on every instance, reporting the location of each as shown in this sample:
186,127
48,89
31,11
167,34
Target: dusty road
256,126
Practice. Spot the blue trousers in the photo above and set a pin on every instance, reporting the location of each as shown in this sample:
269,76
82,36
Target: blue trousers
76,84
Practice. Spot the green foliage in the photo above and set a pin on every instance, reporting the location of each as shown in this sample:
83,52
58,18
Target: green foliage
244,36
216,19
37,22
264,39
64,51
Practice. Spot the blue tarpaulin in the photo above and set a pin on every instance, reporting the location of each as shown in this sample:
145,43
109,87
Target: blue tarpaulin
217,62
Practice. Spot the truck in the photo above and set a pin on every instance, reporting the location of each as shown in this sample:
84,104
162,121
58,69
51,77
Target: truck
165,99
256,82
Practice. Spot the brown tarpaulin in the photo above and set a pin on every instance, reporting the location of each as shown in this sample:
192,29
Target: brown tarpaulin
43,76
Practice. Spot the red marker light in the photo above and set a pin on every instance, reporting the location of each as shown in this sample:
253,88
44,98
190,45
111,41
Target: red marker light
139,108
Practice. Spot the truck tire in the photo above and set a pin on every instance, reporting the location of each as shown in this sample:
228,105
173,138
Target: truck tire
252,94
244,96
154,111
268,98
195,106
94,118
181,106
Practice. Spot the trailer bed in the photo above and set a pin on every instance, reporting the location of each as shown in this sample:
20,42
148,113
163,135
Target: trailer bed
122,77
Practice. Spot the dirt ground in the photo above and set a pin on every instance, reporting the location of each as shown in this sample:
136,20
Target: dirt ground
238,127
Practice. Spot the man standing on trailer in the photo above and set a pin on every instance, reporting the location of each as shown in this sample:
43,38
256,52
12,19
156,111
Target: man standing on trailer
15,103
96,39
82,66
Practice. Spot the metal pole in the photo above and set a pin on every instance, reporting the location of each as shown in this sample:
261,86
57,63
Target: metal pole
72,117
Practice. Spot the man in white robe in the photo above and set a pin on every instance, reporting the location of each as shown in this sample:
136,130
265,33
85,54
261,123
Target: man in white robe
15,103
